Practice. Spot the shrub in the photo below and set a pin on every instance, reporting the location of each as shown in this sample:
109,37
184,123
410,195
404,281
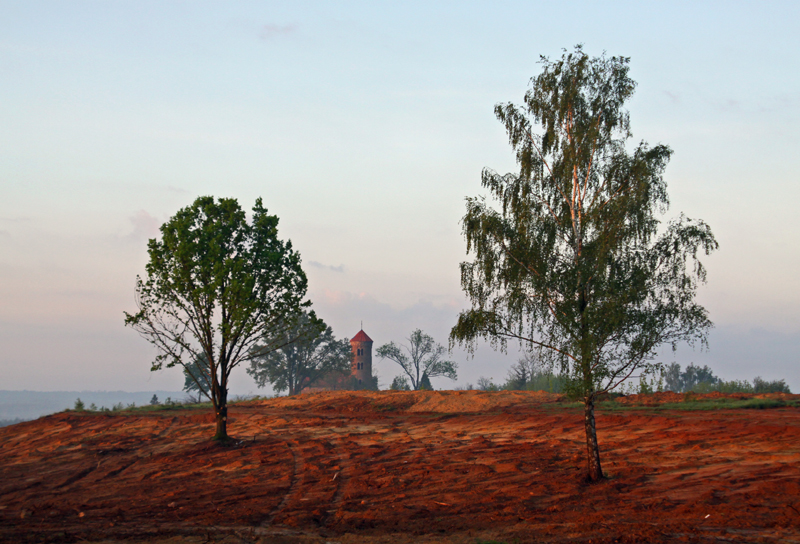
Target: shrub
763,386
400,383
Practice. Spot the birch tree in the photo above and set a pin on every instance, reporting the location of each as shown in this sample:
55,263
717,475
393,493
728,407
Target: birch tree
570,255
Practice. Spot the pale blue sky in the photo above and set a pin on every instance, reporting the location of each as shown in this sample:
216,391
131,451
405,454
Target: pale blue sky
363,125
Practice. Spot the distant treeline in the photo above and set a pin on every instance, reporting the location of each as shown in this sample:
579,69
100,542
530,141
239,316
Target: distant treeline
528,375
27,405
702,380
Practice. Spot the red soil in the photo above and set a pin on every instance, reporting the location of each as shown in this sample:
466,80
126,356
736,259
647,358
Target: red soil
404,467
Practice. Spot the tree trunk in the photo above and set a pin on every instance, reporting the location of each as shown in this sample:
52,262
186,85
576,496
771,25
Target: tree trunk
592,448
221,412
222,424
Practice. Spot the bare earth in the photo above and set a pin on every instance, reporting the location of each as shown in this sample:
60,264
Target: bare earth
404,467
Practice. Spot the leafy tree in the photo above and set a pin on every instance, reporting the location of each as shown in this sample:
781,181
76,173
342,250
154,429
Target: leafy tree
425,383
351,383
310,353
573,260
422,358
79,406
196,380
154,401
486,384
776,386
400,383
521,373
702,380
531,374
216,285
672,378
694,376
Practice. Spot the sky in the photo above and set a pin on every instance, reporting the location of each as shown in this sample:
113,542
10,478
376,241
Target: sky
363,126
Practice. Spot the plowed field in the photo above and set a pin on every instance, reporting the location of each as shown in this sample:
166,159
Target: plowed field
404,467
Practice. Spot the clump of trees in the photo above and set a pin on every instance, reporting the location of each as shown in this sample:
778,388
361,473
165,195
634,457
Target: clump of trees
573,259
421,360
400,383
530,374
702,380
310,353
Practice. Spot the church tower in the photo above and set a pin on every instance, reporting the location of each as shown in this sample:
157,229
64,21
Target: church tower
361,368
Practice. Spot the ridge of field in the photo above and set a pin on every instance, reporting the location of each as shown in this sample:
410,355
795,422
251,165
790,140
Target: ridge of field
455,466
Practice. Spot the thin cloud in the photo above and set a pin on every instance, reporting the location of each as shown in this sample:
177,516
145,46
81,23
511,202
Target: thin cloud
269,32
317,264
674,98
145,226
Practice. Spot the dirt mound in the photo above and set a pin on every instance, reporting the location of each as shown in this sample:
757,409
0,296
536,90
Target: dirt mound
410,401
394,467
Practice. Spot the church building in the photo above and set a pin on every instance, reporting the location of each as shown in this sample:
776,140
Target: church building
360,375
361,368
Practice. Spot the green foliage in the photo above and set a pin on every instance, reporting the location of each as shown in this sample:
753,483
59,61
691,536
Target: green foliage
573,259
530,374
546,381
763,386
154,401
694,378
726,404
486,384
93,407
703,380
216,285
309,353
422,358
196,379
352,384
425,383
400,383
79,407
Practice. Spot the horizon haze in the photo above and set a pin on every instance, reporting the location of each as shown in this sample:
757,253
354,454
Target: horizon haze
363,127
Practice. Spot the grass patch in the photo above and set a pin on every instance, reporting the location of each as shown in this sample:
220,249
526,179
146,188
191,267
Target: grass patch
728,404
702,404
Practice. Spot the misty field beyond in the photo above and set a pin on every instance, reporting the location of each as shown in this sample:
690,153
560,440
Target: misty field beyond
459,466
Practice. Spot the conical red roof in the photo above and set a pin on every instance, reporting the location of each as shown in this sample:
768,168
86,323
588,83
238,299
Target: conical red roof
361,337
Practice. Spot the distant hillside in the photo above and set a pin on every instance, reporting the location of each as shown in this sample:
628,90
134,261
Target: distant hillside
33,404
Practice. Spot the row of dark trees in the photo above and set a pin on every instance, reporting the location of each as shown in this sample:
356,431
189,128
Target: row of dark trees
529,374
702,380
569,257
